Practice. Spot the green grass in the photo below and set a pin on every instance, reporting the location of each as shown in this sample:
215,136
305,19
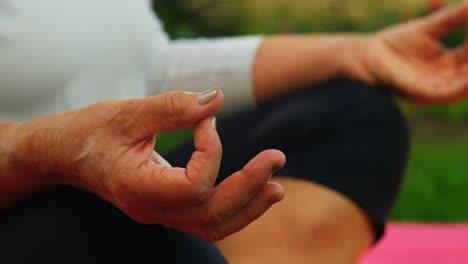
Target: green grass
435,188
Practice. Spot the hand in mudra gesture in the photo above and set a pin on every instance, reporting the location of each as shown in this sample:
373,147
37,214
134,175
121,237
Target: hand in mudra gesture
107,149
410,57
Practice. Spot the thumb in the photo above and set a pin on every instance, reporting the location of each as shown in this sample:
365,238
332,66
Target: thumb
171,111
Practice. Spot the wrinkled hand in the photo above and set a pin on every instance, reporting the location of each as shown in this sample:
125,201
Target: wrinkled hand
107,149
410,57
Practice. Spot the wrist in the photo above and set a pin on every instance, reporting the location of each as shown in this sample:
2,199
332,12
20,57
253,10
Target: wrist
55,149
7,149
19,177
33,152
355,63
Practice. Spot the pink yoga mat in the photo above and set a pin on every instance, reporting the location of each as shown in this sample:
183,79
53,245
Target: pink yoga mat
421,243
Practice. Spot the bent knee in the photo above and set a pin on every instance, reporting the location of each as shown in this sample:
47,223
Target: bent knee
377,116
326,223
359,148
366,112
346,111
362,120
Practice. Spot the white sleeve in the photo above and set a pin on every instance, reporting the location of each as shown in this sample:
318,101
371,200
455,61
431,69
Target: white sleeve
202,64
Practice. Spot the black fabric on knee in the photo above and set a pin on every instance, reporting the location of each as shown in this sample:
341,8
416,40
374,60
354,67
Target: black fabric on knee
347,136
363,153
72,226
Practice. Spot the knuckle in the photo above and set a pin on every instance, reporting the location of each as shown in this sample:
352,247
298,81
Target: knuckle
220,216
123,115
125,111
174,104
199,194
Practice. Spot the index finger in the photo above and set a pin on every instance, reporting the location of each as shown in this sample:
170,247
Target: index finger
203,166
168,187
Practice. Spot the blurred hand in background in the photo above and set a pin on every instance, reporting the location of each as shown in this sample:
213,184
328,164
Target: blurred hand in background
410,57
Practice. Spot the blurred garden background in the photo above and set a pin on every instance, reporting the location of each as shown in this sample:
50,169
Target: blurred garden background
437,176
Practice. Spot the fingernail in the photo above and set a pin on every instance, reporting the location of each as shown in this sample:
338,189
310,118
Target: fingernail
214,122
208,96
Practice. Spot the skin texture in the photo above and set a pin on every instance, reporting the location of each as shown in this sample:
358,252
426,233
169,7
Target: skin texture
327,227
107,148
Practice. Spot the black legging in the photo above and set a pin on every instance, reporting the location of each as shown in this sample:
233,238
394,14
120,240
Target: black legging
347,136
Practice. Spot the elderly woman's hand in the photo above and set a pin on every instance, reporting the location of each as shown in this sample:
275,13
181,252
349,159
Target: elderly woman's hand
107,149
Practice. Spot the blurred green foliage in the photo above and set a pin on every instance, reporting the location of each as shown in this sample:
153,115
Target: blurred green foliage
176,19
186,18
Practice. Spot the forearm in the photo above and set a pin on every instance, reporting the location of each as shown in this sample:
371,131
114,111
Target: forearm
290,62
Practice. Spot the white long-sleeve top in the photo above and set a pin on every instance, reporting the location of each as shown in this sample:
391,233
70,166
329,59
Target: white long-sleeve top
57,55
